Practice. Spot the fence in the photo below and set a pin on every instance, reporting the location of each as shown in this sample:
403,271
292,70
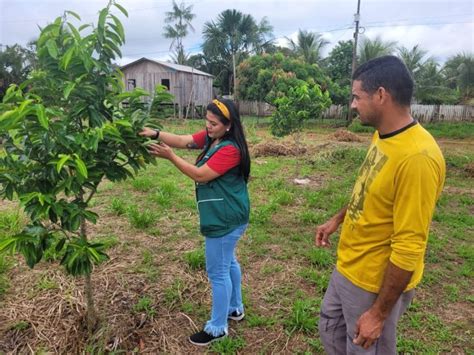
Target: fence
423,113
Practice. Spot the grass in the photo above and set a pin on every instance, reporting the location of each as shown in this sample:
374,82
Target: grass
157,266
303,316
196,259
140,219
145,305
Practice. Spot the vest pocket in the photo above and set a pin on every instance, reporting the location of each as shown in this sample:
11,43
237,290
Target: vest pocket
212,215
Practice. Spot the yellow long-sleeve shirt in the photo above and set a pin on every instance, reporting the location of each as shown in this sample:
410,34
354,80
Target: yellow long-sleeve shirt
392,204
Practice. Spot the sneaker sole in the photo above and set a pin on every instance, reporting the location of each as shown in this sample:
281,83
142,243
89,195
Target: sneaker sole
209,342
237,318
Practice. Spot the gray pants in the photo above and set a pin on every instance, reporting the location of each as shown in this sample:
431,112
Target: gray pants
342,306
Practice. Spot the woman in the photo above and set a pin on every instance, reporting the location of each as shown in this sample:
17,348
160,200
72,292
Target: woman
221,175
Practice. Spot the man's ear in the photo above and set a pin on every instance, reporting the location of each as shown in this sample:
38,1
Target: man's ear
382,95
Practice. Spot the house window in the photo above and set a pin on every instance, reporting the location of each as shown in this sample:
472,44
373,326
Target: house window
131,84
166,82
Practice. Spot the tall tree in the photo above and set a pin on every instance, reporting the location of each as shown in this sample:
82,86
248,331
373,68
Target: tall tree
16,62
179,21
308,45
231,38
413,58
373,48
459,73
431,88
338,65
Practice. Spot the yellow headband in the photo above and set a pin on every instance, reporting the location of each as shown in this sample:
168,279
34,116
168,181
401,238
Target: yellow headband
223,108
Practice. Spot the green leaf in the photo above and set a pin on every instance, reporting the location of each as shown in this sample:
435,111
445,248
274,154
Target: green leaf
91,216
81,167
123,123
8,119
68,89
41,114
62,161
60,245
72,14
118,28
102,18
52,48
66,59
7,243
83,27
121,9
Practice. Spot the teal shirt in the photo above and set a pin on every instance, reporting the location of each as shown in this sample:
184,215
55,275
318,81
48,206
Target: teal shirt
223,203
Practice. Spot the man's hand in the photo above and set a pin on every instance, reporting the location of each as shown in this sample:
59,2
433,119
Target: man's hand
324,231
321,238
368,328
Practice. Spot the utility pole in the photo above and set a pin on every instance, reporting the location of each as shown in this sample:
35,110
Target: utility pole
354,59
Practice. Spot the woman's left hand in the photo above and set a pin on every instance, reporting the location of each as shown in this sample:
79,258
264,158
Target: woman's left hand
160,150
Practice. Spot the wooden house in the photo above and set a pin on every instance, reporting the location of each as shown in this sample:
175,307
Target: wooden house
191,88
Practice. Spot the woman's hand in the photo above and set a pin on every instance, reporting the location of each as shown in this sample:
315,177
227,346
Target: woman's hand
148,132
161,150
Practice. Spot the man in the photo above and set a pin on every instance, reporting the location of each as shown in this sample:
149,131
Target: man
385,230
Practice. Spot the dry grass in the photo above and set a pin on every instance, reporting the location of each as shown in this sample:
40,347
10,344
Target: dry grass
44,309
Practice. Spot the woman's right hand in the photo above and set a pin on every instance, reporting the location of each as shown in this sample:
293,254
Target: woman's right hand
148,132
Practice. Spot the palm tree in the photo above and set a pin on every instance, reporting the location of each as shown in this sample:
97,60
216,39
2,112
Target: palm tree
232,37
370,49
459,73
431,86
413,58
179,20
308,45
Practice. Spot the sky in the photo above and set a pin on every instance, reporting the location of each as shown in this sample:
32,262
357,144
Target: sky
442,27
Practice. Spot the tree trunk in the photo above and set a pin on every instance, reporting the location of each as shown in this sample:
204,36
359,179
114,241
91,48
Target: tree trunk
297,138
234,74
91,314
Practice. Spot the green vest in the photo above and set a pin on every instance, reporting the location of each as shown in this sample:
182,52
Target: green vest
223,203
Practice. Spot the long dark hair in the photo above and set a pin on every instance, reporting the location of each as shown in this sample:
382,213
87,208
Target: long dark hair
235,134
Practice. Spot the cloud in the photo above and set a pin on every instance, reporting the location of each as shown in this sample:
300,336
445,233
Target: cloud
431,24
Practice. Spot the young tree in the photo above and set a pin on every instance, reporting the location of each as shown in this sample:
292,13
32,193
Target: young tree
179,20
67,133
301,103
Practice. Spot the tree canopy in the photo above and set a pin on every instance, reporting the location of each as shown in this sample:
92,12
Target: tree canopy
230,39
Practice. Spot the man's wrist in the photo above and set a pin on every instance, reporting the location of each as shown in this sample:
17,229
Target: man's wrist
378,312
157,134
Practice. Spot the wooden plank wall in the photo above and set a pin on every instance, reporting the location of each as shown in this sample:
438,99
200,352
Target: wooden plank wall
423,113
187,88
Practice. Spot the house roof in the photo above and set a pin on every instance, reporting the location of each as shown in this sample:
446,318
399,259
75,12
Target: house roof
176,67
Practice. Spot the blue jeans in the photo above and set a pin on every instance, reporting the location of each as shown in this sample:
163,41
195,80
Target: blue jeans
225,277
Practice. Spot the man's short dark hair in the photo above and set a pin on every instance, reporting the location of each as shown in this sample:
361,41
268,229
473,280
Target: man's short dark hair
390,73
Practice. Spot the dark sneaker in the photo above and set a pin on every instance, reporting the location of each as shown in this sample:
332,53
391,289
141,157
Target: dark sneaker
235,315
203,338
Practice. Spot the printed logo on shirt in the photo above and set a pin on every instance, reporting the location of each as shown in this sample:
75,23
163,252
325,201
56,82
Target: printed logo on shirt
373,163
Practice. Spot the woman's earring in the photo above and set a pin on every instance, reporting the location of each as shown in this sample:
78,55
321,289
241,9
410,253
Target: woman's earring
228,129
